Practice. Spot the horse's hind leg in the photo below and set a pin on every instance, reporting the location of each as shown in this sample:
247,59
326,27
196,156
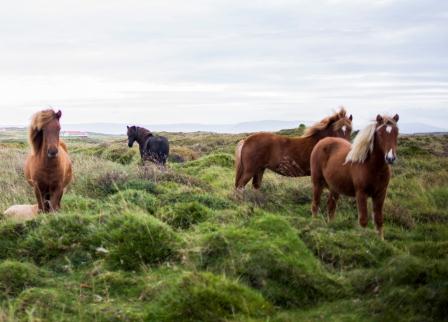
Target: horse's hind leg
257,178
331,204
317,192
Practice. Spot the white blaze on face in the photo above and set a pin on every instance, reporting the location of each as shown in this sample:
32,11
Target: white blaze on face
390,154
389,129
344,128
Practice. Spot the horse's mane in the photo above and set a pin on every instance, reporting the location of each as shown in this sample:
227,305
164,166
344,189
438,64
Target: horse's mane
142,131
38,122
337,120
363,143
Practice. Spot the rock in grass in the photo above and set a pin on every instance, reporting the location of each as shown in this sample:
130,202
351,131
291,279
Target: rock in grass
136,239
21,212
17,276
206,297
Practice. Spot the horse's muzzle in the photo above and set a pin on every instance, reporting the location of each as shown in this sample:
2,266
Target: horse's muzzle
52,153
390,160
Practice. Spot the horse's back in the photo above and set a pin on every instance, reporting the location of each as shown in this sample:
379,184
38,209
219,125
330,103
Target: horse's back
159,147
263,145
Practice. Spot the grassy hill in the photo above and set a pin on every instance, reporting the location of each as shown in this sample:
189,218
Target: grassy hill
133,243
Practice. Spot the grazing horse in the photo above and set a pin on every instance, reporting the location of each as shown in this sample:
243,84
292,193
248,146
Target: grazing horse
152,148
359,170
48,168
283,155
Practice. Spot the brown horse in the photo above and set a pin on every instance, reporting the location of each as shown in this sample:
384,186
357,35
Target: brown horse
48,168
359,170
283,155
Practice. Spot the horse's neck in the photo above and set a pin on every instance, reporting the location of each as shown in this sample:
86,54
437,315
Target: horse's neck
376,157
306,143
142,137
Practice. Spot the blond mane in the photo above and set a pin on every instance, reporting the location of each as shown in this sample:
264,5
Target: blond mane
337,120
38,122
363,142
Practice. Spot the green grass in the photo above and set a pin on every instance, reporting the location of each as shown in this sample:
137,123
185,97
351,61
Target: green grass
135,243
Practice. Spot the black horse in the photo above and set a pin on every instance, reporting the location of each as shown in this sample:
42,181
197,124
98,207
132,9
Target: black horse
152,148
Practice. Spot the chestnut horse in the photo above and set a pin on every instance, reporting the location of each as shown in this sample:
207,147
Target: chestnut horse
359,170
48,168
283,155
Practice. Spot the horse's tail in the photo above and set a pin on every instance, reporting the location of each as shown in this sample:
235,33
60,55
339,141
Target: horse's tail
63,145
238,162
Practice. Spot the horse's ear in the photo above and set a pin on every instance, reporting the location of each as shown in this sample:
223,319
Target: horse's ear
351,117
58,114
379,119
396,117
127,126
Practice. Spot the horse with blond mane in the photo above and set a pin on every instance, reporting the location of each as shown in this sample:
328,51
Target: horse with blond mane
360,170
283,155
48,168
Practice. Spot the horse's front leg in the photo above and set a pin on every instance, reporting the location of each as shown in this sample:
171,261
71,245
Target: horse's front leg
39,197
55,198
361,202
378,202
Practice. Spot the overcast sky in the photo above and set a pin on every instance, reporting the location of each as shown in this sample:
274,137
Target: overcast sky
146,61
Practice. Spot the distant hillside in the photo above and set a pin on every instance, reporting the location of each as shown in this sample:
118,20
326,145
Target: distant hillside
115,128
243,127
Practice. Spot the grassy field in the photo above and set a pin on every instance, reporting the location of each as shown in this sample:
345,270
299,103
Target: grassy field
133,243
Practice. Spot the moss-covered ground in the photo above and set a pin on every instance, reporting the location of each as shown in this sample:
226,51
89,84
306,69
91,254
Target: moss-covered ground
134,243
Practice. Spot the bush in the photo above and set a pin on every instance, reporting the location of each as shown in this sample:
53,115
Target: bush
16,276
122,155
269,256
11,234
44,304
407,288
224,160
210,200
59,236
185,214
347,249
138,239
133,198
206,297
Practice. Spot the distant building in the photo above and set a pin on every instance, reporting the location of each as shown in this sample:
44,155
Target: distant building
74,134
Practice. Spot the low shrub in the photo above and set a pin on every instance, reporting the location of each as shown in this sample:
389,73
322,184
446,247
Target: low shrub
136,239
69,236
184,214
16,276
129,198
270,257
206,297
